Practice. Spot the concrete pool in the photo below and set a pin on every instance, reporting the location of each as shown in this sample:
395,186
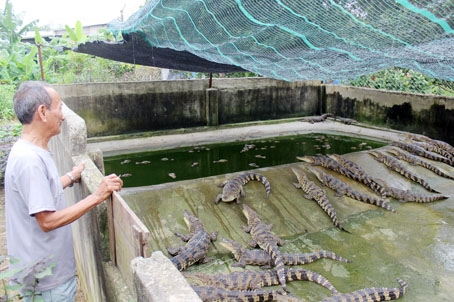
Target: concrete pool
414,244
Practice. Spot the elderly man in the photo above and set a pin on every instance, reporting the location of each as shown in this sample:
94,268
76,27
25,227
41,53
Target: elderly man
37,215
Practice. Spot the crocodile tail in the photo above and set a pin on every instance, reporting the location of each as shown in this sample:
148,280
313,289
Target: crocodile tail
212,293
398,167
425,184
429,198
434,169
403,286
371,294
297,259
331,255
245,178
385,205
376,187
375,201
278,261
325,204
307,275
419,180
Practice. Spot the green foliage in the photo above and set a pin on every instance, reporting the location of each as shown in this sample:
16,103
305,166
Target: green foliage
405,80
6,103
37,271
19,62
11,28
76,35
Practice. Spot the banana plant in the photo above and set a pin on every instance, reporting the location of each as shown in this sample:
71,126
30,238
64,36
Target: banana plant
76,35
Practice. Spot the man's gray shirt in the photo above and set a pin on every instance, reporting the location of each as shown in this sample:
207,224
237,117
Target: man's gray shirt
32,185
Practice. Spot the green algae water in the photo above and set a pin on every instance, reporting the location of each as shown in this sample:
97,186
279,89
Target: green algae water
156,167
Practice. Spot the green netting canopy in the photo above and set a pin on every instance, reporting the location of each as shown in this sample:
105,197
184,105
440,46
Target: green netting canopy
291,39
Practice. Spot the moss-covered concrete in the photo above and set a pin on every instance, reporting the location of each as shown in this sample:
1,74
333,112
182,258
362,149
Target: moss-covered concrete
413,244
430,115
130,108
118,108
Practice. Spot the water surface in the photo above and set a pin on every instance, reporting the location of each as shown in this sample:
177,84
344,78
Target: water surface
149,168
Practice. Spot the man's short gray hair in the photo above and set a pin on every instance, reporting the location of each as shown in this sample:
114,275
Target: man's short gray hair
28,97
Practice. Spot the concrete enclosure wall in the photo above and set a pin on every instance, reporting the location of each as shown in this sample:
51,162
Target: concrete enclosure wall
97,277
430,115
122,108
118,108
69,149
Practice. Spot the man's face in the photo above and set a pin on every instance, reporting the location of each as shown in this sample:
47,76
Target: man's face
54,114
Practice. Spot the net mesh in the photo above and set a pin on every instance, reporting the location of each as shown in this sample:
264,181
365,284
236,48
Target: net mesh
304,39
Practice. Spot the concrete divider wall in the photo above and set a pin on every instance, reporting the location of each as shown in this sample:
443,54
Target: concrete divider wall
118,108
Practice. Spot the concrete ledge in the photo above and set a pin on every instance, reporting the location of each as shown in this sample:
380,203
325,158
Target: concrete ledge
157,279
239,133
116,288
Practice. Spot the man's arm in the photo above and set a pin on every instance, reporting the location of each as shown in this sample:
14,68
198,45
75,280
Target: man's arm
73,177
50,220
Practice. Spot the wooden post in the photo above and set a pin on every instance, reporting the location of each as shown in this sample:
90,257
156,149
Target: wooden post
111,226
40,59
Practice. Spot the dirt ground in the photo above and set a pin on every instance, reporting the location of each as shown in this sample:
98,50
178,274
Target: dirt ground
3,250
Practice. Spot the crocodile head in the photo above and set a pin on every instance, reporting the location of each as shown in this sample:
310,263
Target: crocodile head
230,192
231,245
300,175
306,158
250,214
375,153
393,151
191,221
317,172
336,157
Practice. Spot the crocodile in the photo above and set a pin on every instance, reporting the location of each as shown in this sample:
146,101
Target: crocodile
371,294
435,149
415,160
246,256
255,279
328,163
409,196
333,165
315,192
346,121
420,151
395,165
436,142
359,174
317,119
263,237
342,188
232,188
213,293
197,243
